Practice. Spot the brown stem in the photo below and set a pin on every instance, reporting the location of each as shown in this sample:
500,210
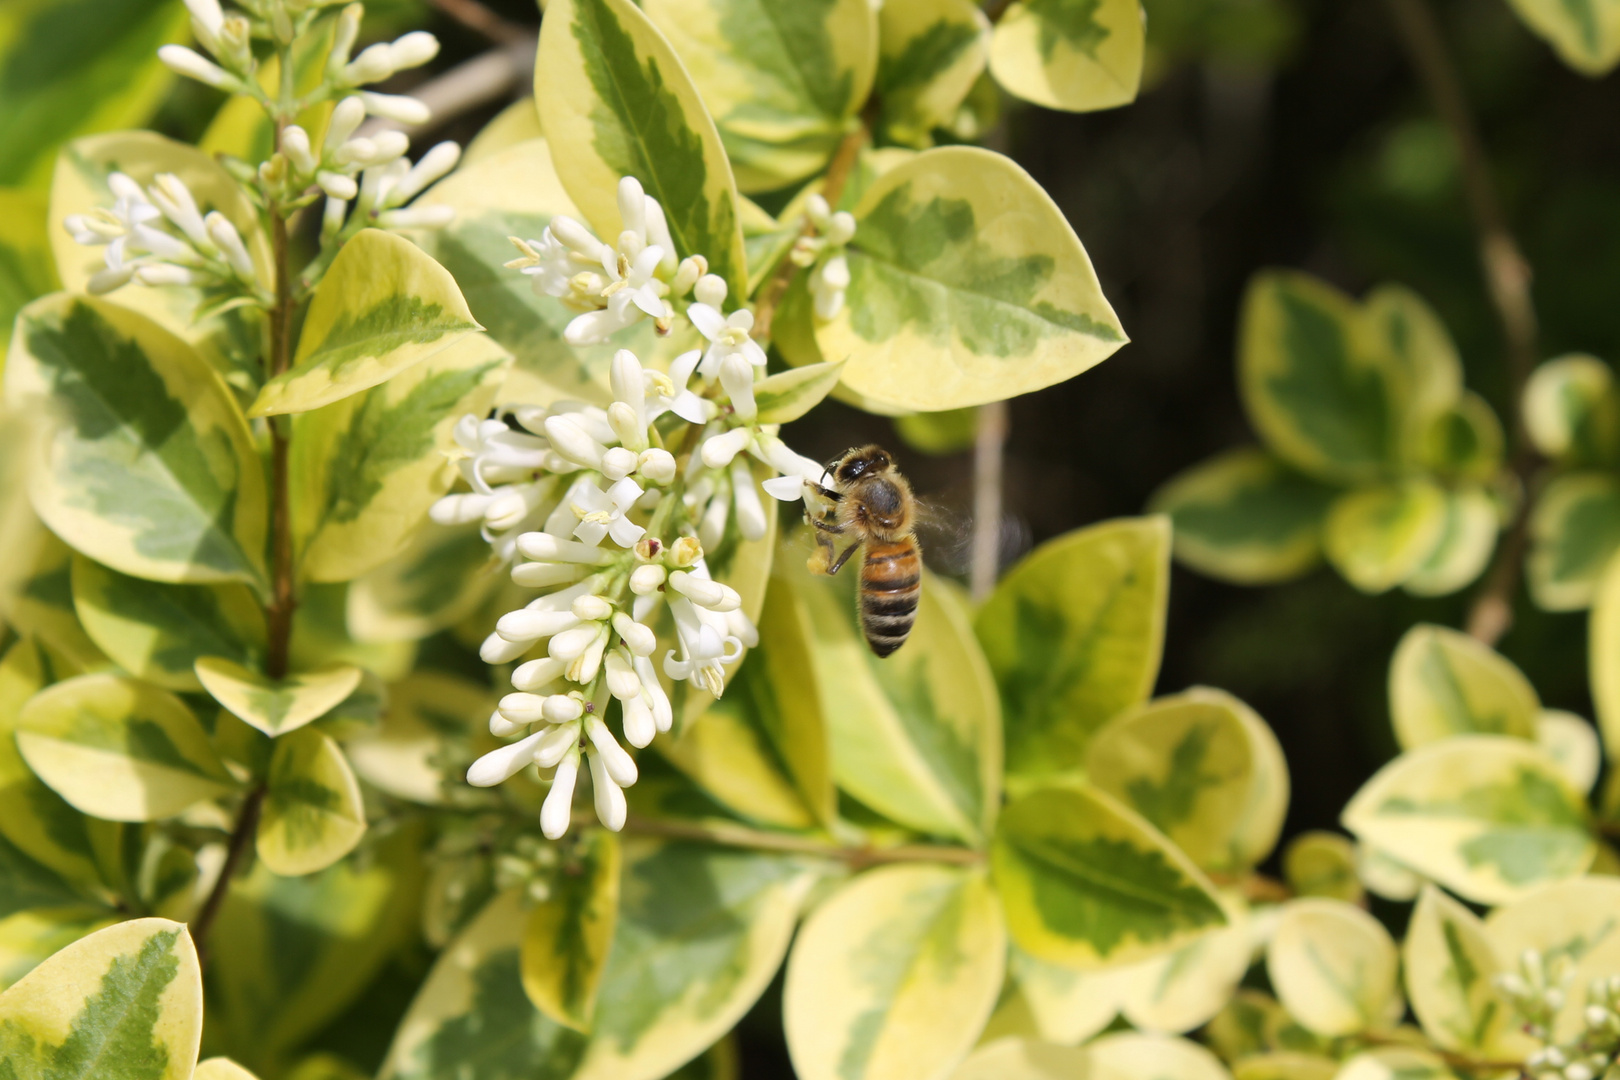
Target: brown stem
1507,280
995,9
282,602
247,822
832,189
987,453
476,17
858,858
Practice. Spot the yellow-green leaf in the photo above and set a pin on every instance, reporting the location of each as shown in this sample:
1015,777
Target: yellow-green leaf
146,464
967,285
1185,989
1086,883
1490,817
1068,1006
790,394
1574,531
1603,656
1571,923
1131,1055
1426,370
37,599
342,925
276,706
230,342
1381,535
1245,517
370,465
782,80
404,756
157,631
1472,520
321,637
313,815
1572,411
124,1003
1077,55
1386,876
383,306
1450,963
1320,863
1444,683
915,736
26,267
931,52
1585,34
610,88
1285,1065
1395,1063
221,1068
1465,442
1023,1059
440,578
1074,634
517,123
1315,382
762,750
29,937
894,975
119,749
1204,769
1572,743
1334,967
565,942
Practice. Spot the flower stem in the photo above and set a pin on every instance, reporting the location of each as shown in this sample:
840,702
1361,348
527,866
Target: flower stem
832,189
739,836
247,823
1507,280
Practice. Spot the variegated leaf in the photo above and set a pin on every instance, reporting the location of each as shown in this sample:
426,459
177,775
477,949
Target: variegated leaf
1444,683
313,814
894,975
1584,33
1472,520
610,87
1320,863
1380,535
1334,967
1130,1055
276,706
566,940
1574,532
1571,923
1572,411
1023,1059
147,464
1450,962
382,307
442,576
1078,55
404,755
931,52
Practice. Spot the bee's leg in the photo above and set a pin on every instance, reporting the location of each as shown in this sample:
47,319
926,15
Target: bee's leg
842,559
823,555
826,492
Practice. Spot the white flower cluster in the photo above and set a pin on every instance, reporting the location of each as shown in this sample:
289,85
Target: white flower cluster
387,179
159,236
824,253
1538,992
612,511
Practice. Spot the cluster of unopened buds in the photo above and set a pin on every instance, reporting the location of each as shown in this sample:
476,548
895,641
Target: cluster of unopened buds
1538,992
823,252
614,512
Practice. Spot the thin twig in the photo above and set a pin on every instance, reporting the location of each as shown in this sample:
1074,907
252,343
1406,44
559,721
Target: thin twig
858,858
1507,280
480,19
832,189
247,823
987,454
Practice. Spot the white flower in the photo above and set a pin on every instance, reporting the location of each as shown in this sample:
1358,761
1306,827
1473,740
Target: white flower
827,284
703,649
603,513
670,393
727,334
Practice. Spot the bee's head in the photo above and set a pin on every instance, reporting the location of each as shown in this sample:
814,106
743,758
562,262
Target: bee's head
864,461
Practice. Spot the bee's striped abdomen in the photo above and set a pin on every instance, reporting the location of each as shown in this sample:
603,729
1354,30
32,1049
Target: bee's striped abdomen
891,585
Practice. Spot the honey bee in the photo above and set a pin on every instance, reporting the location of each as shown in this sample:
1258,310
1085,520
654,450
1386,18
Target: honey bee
868,500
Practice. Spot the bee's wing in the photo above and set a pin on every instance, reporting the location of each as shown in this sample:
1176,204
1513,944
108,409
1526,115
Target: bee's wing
945,535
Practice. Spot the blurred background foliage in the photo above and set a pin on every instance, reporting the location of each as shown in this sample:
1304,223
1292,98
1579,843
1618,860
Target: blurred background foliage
1269,133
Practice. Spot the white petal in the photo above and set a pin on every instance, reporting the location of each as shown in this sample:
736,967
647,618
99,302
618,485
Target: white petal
620,765
709,322
558,807
610,805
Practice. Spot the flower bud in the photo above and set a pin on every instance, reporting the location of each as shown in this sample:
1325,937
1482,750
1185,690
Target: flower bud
711,290
544,547
344,33
685,551
592,608
718,450
647,579
562,708
504,763
522,708
417,217
184,61
224,234
657,465
637,717
571,441
374,64
637,637
529,624
620,766
751,519
610,805
687,273
413,50
295,144
396,107
501,727
558,807
346,119
539,575
618,463
164,274
534,675
555,743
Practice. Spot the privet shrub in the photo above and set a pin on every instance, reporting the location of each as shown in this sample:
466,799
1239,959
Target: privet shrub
404,597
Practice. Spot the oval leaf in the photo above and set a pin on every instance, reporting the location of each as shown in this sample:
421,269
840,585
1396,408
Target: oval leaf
1077,55
1130,1055
404,756
383,306
147,463
1085,882
157,631
1585,36
129,996
313,815
1572,743
1068,1006
781,81
566,941
1204,769
915,736
1334,967
1488,816
1443,683
1244,517
967,285
609,87
1603,656
1184,990
276,706
1574,531
1572,411
1320,863
1023,1059
931,54
440,578
119,749
1450,963
790,394
371,465
1074,634
1381,535
1572,922
894,975
1466,541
